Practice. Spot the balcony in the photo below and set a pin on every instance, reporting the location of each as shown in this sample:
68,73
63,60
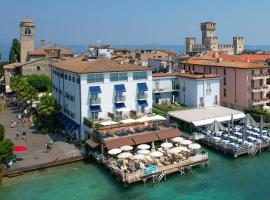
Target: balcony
163,90
256,102
95,101
264,88
208,91
260,76
142,96
120,98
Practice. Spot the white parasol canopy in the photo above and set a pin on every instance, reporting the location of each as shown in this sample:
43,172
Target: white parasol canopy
107,123
127,121
183,148
144,119
138,157
175,150
144,152
177,139
125,155
143,146
126,148
157,118
156,154
114,151
185,142
123,109
167,145
194,146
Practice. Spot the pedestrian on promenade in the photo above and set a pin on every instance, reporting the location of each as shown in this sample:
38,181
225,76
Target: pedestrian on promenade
17,135
57,157
24,135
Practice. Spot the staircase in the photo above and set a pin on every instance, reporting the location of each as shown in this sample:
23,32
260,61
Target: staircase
253,150
158,177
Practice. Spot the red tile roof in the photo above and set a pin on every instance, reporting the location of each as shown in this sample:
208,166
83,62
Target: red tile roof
79,65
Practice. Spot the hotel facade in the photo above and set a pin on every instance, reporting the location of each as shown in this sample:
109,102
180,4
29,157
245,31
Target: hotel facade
196,91
243,83
99,89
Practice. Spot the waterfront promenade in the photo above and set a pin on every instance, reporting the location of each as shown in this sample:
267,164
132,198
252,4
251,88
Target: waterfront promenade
36,156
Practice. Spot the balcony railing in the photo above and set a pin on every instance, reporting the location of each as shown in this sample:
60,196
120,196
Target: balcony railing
260,101
208,91
120,98
260,76
95,101
142,96
261,88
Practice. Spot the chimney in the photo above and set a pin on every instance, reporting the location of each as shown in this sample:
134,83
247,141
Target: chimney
42,44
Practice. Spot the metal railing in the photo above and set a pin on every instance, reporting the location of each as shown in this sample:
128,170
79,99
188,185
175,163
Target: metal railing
119,98
143,96
95,100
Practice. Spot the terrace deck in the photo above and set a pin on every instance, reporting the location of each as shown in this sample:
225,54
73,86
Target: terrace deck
167,169
234,152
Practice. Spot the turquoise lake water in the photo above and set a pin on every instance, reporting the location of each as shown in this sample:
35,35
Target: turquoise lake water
244,178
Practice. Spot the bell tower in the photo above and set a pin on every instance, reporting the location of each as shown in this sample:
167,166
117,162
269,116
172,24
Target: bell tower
27,38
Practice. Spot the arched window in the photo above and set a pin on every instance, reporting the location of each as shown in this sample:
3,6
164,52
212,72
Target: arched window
38,68
27,31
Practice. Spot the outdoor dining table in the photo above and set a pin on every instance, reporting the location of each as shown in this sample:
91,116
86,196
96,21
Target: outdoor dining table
225,141
216,138
238,133
251,138
233,137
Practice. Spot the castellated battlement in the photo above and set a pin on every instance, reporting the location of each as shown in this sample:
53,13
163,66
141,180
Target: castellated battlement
211,26
238,38
190,38
211,38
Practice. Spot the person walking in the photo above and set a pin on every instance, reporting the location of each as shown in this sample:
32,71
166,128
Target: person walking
17,135
24,136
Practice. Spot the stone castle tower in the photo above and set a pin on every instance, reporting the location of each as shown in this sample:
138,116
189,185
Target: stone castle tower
210,42
27,38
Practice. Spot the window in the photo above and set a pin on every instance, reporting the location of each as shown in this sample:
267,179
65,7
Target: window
208,88
66,76
71,115
224,80
78,80
27,31
225,92
71,98
95,78
69,78
73,79
122,76
201,102
38,68
216,100
61,75
139,75
225,72
94,115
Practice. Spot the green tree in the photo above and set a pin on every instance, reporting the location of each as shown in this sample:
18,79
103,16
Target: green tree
41,83
6,151
14,53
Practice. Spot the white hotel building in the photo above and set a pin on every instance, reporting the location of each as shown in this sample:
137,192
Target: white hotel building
193,90
99,88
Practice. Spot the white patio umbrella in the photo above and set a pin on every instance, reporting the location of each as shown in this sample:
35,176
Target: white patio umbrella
143,119
125,155
177,139
128,121
157,118
194,146
143,146
108,123
183,148
185,142
167,145
156,154
138,157
126,148
114,151
175,150
144,152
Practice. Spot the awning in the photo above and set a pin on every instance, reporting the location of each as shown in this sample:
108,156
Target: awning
119,106
120,88
118,142
143,103
144,138
91,143
142,86
96,108
168,133
157,95
94,89
67,122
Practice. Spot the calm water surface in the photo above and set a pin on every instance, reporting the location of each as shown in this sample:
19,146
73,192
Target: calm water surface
244,178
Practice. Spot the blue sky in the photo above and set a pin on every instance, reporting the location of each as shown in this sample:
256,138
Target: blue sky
80,22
